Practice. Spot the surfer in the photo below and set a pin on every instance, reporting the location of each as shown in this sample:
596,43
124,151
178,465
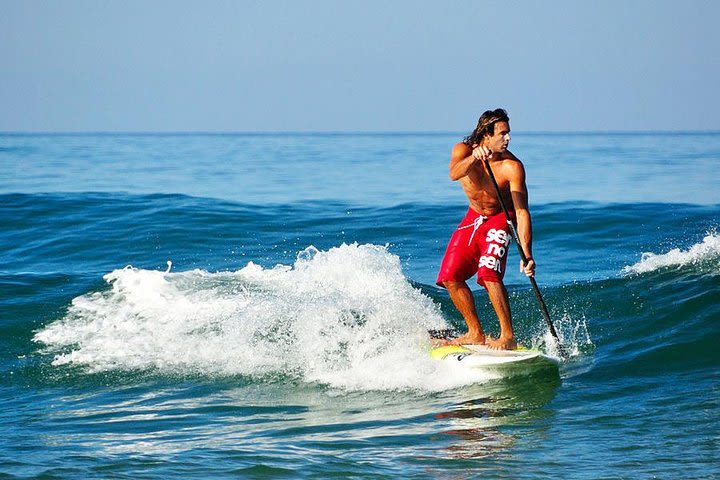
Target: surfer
480,243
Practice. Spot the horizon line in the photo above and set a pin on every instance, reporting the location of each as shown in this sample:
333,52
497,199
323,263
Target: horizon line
345,132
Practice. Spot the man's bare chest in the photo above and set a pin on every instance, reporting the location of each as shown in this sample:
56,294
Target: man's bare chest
479,182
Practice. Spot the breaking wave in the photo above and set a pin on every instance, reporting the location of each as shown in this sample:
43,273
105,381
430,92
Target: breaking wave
705,254
346,317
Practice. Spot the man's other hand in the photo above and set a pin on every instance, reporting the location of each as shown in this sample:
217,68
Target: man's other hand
529,268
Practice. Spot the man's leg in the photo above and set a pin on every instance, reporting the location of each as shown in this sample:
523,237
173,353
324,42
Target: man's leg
499,299
462,297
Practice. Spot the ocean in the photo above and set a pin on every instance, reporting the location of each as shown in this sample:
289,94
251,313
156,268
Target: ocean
257,306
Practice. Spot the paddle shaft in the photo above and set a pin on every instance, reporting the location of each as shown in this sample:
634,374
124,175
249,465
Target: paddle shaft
538,295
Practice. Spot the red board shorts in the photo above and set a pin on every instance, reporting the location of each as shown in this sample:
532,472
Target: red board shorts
480,244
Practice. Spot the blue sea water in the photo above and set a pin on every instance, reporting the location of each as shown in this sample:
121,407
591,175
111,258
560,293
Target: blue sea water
256,306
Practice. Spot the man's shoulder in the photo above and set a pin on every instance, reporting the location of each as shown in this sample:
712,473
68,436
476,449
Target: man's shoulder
511,160
462,147
511,156
461,150
512,164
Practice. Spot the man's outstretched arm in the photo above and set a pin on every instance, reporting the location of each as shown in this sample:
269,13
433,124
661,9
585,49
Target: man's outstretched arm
518,190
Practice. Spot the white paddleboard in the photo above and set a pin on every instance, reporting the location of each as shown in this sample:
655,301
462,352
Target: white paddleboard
478,356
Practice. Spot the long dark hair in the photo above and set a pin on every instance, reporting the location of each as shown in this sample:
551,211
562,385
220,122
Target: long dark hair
486,125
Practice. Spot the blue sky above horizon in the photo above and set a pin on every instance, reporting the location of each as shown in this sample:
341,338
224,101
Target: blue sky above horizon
246,66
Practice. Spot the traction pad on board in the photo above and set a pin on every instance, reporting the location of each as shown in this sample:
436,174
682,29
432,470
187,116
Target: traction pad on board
446,334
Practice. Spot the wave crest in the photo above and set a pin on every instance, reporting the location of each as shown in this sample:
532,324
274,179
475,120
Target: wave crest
703,253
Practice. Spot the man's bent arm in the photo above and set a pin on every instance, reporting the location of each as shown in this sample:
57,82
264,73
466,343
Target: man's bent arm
461,160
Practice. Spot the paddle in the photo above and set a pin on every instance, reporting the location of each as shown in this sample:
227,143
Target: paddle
543,308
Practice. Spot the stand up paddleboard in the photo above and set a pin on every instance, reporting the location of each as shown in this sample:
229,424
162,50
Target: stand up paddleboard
479,356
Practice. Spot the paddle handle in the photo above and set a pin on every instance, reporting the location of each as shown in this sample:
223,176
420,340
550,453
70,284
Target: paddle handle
536,290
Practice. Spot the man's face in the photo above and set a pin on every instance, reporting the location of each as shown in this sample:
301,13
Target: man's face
500,139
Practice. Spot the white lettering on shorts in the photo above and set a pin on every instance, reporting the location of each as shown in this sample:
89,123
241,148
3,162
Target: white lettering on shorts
499,236
495,249
489,262
497,241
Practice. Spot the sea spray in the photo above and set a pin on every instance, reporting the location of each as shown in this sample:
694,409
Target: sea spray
346,317
705,254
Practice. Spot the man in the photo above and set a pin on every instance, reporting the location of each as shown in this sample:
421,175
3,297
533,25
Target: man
481,242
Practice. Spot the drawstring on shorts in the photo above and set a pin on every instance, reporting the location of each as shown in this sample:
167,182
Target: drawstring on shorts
476,225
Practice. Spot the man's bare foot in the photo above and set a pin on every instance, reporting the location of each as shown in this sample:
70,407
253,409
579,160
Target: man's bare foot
467,339
501,343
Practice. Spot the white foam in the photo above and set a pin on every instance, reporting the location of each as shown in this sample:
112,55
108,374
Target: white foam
573,334
346,317
706,251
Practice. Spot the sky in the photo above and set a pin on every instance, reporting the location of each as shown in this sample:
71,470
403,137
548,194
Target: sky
369,66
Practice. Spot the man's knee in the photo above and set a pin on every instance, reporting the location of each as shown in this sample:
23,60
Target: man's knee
452,285
493,284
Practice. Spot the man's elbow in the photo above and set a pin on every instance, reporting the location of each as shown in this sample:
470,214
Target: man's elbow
455,176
